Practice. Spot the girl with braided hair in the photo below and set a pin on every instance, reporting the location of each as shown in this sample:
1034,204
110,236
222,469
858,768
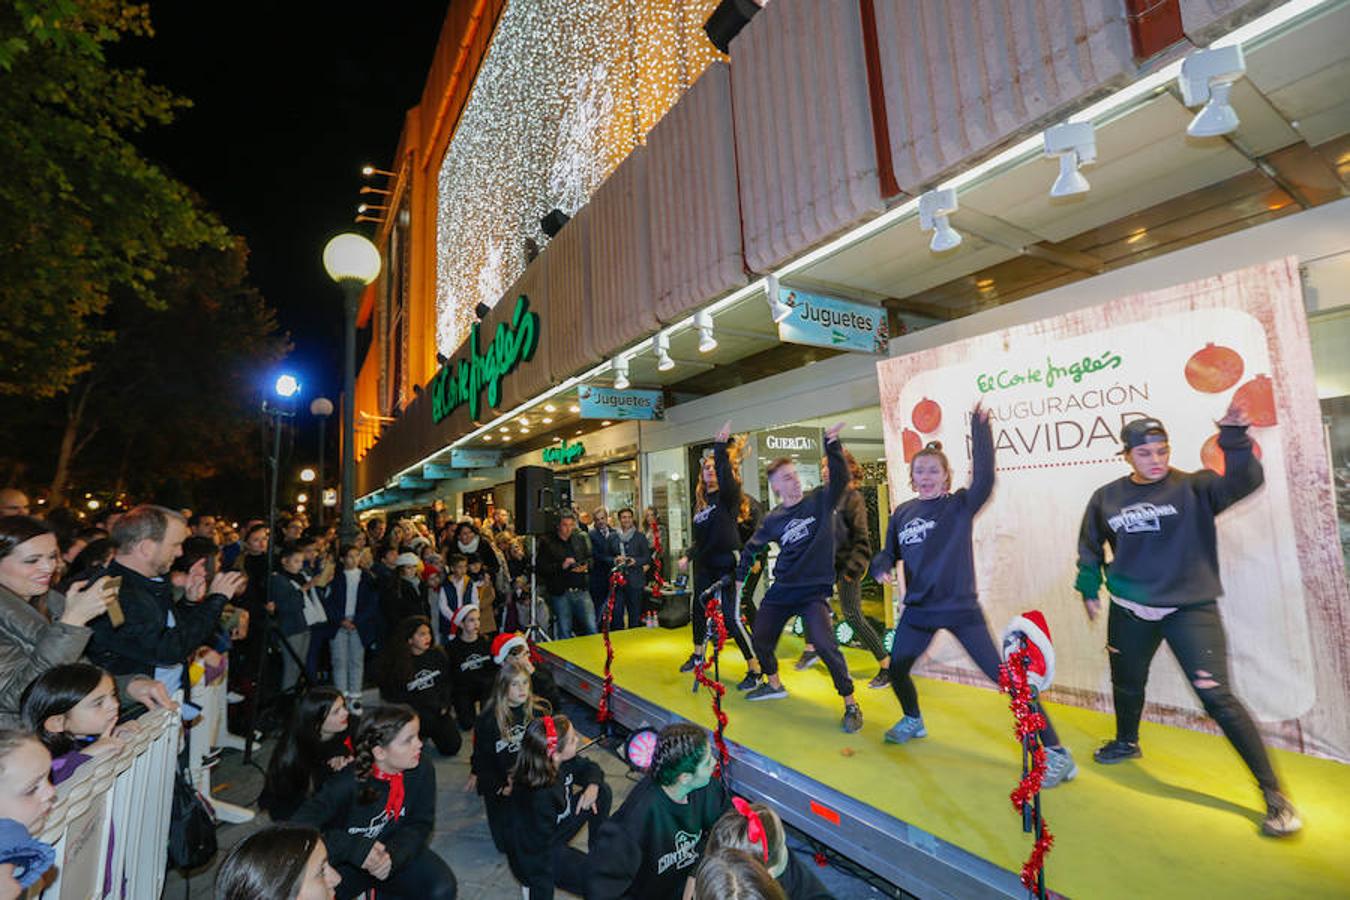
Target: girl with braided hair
377,814
554,794
756,829
650,847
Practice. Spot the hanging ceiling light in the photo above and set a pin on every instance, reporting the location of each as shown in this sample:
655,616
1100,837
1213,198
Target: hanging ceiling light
934,208
1075,143
704,323
1206,77
621,381
663,361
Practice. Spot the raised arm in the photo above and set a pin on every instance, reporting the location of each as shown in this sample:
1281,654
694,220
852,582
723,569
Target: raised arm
838,466
1242,471
982,455
728,485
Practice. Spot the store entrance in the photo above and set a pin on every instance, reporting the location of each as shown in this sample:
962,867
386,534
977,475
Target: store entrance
612,485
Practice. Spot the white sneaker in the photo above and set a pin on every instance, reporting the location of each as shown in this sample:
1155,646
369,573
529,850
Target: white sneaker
1059,766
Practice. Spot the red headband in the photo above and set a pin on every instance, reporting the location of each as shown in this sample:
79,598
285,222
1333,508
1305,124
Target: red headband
552,731
754,828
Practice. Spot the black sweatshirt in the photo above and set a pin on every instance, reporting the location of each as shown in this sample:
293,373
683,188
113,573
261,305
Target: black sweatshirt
650,846
716,537
800,883
804,531
540,818
350,828
425,686
471,665
494,754
853,539
1163,543
933,540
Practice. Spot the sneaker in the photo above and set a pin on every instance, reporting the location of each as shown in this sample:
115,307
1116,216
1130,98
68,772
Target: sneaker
1281,818
767,691
1059,766
1113,752
749,681
852,720
881,679
806,660
232,698
906,729
690,662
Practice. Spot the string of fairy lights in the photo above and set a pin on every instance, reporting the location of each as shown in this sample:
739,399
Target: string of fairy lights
568,89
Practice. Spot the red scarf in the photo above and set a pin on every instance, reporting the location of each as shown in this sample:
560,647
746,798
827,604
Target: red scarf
393,806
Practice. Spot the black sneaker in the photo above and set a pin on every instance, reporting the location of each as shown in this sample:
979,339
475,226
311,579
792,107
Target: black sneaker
767,691
806,660
690,662
881,679
1113,752
852,720
749,681
1281,818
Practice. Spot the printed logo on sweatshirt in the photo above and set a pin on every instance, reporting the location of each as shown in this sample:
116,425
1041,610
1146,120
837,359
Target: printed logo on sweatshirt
376,826
915,530
424,679
685,853
474,663
796,530
1140,517
702,515
512,739
567,804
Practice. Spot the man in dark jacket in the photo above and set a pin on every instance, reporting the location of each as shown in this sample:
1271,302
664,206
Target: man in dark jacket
156,636
563,562
602,561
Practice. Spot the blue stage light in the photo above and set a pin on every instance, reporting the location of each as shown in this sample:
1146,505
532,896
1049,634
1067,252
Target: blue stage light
889,639
843,633
287,386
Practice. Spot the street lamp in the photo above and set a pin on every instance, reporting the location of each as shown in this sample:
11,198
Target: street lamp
321,408
306,474
353,262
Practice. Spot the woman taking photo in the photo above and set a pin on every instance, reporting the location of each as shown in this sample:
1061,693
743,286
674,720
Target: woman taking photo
284,861
316,744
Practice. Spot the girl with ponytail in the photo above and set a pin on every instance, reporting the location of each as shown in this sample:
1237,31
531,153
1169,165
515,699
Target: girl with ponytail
756,829
377,814
555,793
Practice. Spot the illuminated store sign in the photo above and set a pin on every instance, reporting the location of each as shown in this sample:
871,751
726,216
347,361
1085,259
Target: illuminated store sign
463,380
564,454
608,403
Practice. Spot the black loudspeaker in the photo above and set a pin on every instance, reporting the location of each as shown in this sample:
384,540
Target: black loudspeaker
535,506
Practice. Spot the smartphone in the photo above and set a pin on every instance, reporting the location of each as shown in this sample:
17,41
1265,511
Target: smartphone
111,588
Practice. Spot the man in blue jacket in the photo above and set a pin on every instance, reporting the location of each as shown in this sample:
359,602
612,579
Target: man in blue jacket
353,604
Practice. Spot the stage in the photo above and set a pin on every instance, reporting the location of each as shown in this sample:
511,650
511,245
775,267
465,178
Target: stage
933,816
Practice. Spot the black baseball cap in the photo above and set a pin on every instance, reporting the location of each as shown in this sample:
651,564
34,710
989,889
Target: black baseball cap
1142,431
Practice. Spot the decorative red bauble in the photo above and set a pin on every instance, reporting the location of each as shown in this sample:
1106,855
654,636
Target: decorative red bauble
1257,400
927,415
1212,455
911,443
1214,368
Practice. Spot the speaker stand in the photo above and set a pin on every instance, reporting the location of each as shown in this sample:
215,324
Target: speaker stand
534,633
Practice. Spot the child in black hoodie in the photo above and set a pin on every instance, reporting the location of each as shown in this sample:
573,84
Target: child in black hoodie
376,815
471,665
496,742
756,829
650,848
416,672
554,794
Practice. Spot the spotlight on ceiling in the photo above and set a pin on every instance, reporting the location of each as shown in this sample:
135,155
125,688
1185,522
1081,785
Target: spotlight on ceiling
481,311
934,208
621,381
371,170
554,222
1075,143
727,20
704,323
442,359
777,308
663,361
1206,77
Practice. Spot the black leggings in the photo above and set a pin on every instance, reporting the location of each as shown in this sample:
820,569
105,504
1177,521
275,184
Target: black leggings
1196,636
737,630
780,604
910,643
424,877
465,702
440,729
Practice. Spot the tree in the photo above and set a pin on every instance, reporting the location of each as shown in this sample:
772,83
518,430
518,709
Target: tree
85,215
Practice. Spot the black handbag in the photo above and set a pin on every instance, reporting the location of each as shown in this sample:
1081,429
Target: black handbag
192,827
674,611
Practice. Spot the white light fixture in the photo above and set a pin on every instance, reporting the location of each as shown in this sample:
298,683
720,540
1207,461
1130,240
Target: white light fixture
550,408
621,381
663,361
603,423
546,420
574,408
307,474
1075,143
350,257
1206,77
777,308
703,321
934,208
302,497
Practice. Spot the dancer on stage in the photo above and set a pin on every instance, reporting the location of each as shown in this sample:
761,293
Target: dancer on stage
719,505
931,536
803,528
1163,580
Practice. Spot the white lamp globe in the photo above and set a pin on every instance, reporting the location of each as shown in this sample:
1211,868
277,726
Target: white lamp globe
350,257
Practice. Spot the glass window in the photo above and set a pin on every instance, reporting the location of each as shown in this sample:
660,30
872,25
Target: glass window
667,489
621,485
1327,294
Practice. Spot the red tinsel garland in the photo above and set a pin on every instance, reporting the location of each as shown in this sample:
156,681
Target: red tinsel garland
1012,679
717,627
603,713
657,562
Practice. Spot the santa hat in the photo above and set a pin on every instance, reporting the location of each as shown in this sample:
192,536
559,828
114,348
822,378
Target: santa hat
504,643
457,621
1030,629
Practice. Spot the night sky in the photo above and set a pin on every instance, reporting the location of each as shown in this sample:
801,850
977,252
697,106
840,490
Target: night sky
290,99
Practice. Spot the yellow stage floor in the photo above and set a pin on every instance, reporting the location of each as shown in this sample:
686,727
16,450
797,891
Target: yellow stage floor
1181,822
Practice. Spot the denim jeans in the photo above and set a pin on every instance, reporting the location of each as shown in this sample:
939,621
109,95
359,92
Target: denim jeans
349,660
573,613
